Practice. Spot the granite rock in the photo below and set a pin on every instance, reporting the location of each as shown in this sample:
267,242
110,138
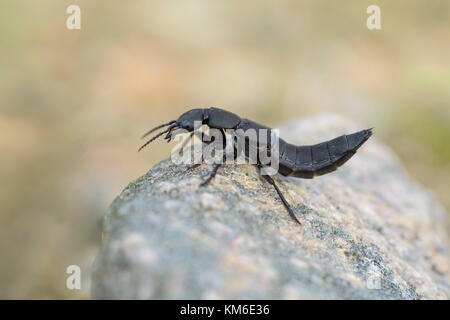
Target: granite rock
368,232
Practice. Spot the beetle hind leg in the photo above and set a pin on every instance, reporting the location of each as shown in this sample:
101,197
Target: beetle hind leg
283,199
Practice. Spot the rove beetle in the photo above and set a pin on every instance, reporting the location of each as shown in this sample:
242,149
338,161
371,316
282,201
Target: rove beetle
297,161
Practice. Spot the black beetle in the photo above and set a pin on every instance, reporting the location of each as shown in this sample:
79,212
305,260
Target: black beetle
297,161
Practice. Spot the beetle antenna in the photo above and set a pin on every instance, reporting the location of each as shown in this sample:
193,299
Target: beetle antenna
158,127
157,136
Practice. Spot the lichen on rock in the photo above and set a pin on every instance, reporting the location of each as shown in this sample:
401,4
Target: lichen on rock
368,232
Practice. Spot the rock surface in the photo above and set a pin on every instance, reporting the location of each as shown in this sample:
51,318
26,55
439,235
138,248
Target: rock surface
368,232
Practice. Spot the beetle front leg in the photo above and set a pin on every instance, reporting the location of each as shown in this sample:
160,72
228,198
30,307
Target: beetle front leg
212,175
209,139
200,136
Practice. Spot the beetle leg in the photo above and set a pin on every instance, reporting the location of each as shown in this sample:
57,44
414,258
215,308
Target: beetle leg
198,135
196,165
217,166
286,204
198,161
212,175
213,172
208,141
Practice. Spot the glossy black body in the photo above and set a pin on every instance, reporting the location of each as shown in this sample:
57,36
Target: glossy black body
297,161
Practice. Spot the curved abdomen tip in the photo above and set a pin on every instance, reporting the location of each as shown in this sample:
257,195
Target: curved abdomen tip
327,156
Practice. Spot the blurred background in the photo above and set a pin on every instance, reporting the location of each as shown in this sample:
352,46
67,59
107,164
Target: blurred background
73,103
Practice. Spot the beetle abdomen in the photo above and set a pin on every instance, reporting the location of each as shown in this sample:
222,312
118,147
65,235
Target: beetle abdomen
327,156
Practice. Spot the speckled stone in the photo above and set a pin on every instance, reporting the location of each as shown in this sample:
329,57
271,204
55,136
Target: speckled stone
368,232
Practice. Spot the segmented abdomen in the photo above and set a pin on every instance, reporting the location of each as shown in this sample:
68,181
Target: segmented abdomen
321,158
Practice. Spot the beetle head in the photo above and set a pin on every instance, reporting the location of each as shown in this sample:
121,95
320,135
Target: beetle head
187,119
186,122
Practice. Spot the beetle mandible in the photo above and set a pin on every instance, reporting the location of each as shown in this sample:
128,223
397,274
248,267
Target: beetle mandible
297,161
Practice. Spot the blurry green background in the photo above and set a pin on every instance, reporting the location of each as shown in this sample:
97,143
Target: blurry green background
74,103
